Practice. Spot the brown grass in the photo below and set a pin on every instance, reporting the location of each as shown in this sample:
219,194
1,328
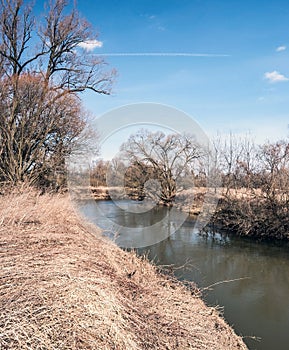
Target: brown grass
65,288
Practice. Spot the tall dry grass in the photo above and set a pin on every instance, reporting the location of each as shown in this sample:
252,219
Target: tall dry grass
65,287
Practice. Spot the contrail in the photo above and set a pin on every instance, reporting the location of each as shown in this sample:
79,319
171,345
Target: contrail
161,54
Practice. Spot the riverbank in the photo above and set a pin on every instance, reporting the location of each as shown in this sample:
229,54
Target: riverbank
190,201
243,212
63,286
253,215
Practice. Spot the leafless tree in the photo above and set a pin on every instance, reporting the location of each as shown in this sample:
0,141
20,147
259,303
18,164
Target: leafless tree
274,171
168,156
258,204
42,69
98,173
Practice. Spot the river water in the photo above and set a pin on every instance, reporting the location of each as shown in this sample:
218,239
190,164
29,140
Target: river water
248,280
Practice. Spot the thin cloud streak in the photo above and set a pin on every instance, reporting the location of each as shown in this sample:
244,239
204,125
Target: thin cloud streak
163,54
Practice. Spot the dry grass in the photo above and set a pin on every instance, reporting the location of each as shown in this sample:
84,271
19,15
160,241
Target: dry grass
65,288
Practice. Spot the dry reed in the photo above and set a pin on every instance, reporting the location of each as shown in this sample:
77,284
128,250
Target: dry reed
63,286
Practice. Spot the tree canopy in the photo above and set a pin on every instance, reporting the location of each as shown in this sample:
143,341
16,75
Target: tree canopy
168,158
43,68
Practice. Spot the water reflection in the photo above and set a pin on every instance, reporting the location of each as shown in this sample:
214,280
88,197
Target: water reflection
131,229
255,305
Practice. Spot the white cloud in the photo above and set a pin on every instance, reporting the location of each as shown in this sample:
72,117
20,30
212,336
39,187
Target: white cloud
281,48
275,77
90,45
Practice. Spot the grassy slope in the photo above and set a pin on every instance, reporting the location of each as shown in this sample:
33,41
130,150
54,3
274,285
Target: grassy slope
63,287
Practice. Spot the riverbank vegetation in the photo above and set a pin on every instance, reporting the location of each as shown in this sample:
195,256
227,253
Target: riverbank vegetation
43,69
63,286
252,181
255,200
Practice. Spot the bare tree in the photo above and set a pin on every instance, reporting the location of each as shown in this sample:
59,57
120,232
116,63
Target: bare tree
168,156
40,77
98,173
258,204
136,178
274,171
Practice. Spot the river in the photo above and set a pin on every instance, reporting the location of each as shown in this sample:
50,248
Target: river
248,280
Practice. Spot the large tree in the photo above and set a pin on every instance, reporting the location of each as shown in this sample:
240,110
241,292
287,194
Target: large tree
169,158
43,68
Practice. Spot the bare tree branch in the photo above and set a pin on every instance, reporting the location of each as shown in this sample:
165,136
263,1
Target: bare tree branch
169,156
40,77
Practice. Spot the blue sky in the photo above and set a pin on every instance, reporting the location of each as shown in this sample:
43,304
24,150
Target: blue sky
247,89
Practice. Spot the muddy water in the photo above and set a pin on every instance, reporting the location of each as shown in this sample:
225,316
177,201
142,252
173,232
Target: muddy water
248,280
